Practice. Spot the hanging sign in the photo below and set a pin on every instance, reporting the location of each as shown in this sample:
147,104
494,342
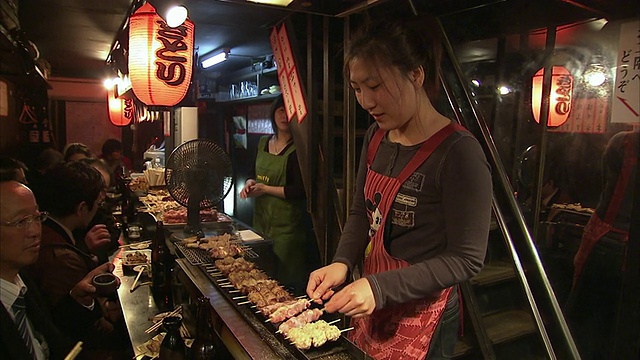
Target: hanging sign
625,104
121,110
288,74
160,57
275,47
298,98
560,96
289,104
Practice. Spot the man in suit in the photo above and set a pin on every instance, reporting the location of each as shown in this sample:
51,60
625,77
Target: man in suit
28,331
72,198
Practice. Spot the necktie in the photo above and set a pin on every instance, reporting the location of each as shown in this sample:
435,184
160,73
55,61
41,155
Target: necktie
20,312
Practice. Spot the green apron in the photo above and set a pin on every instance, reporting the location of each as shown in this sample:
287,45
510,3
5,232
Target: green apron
280,220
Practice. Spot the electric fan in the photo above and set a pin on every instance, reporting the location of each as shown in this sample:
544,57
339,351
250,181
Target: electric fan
198,175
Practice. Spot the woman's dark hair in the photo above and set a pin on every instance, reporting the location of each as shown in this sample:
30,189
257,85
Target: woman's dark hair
76,148
110,146
9,168
69,184
405,44
275,105
47,159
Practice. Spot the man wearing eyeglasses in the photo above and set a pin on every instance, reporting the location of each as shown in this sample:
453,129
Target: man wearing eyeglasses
27,330
72,198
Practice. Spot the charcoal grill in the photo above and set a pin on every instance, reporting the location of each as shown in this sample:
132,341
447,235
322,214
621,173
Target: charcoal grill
333,350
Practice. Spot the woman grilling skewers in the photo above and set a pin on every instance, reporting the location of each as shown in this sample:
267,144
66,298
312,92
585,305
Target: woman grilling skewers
422,203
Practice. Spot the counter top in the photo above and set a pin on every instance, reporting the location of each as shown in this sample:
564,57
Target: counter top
137,306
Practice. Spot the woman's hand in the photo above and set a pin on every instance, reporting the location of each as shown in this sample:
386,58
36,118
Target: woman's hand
246,190
258,190
355,300
321,281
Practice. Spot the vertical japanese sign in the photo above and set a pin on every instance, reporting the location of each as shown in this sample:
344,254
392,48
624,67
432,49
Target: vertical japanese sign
588,116
288,74
625,106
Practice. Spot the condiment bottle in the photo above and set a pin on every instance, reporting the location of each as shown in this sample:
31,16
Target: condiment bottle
161,270
172,346
203,347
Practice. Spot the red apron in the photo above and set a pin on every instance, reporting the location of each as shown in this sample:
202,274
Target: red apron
403,331
596,228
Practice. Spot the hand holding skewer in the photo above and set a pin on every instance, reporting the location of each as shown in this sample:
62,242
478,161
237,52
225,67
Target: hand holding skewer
322,281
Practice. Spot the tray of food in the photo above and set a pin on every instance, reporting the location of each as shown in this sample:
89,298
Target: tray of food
205,250
133,258
209,219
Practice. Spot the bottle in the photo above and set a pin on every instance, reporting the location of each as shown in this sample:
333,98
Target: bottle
203,347
34,133
172,346
46,132
161,270
128,203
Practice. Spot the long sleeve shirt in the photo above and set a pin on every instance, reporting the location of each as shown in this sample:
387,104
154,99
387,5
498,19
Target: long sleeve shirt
439,222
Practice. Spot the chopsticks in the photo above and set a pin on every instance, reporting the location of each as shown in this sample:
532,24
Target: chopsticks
157,325
74,352
135,282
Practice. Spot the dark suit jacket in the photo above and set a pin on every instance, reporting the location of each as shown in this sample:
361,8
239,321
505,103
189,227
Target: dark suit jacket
11,343
60,266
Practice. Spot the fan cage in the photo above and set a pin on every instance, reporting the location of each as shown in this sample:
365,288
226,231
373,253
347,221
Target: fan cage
199,168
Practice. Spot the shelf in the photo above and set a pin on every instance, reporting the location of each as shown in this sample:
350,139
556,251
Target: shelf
247,73
249,99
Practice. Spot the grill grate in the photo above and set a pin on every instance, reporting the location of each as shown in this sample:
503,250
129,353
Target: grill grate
197,256
342,349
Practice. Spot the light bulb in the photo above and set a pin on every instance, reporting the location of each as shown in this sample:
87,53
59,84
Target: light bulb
176,15
595,78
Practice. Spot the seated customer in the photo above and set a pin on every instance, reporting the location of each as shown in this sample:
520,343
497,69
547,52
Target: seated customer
27,329
76,151
114,158
102,226
12,169
71,198
46,160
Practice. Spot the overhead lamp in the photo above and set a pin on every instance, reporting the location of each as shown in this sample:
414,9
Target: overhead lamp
215,59
176,15
284,3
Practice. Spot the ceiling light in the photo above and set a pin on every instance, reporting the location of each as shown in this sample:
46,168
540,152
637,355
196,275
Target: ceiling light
273,2
176,15
215,59
504,90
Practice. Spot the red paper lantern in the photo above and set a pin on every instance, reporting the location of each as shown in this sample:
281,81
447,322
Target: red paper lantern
121,110
560,96
160,57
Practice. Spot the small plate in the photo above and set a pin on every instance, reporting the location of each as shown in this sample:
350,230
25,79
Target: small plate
140,246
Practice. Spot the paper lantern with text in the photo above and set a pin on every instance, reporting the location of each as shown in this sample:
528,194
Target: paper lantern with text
560,96
121,110
160,57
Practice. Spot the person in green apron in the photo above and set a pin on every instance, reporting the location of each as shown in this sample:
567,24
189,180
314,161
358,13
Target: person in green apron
280,202
421,205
